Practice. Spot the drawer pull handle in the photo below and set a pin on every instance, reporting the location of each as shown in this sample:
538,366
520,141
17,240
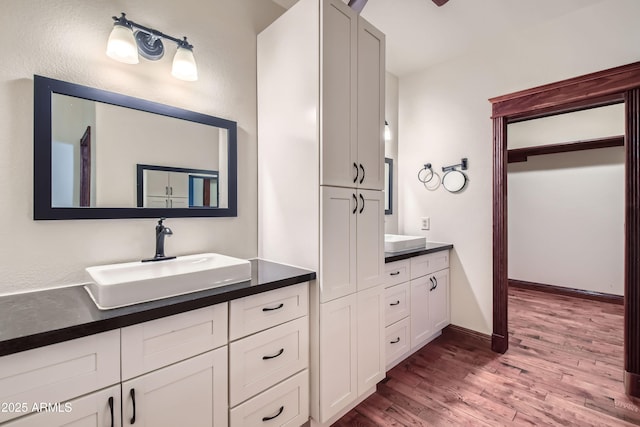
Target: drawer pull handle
397,340
274,356
395,303
278,307
265,419
132,393
433,285
395,273
111,409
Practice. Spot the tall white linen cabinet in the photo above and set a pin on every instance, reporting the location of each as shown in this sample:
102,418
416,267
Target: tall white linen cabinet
321,76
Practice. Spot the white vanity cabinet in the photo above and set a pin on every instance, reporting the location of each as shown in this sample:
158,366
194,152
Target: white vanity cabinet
417,303
269,358
166,189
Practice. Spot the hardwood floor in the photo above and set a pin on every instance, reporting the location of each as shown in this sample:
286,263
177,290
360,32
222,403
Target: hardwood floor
563,367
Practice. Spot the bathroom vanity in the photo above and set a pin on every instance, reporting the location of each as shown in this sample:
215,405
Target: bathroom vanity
235,355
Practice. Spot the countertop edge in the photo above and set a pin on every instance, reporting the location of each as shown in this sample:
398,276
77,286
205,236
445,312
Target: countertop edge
399,256
172,307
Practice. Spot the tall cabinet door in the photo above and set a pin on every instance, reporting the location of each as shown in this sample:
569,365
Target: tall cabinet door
339,92
190,393
439,300
370,239
338,355
420,321
371,344
371,89
339,208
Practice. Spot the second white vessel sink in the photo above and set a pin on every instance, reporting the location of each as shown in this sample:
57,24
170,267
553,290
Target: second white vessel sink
118,285
397,242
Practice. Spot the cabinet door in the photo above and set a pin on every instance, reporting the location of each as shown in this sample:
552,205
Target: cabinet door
338,243
156,202
191,393
178,184
338,358
339,92
439,310
370,238
99,409
156,183
178,202
420,321
370,105
371,349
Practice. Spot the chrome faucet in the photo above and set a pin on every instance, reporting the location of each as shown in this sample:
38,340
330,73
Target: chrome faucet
161,232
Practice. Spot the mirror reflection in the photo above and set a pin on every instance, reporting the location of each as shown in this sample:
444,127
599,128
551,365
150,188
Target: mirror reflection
104,155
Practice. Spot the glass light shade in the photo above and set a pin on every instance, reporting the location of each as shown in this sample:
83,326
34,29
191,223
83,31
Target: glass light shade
121,45
387,131
184,65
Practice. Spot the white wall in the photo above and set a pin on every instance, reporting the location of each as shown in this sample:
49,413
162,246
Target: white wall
67,40
566,210
445,115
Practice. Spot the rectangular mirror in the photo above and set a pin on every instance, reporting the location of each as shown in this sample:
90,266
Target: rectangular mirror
99,154
388,186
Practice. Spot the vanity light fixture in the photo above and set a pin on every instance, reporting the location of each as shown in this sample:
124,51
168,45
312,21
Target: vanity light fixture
124,45
387,131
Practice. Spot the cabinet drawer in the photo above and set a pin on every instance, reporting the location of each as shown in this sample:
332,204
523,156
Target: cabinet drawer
398,342
286,404
161,342
430,263
261,360
59,372
99,409
396,272
396,303
259,312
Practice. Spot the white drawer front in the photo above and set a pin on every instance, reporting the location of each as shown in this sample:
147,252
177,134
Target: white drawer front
161,342
396,303
396,272
286,404
59,372
261,360
262,311
430,263
398,342
99,409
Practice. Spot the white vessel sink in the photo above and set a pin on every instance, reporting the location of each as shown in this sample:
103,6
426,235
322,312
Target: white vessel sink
118,285
397,242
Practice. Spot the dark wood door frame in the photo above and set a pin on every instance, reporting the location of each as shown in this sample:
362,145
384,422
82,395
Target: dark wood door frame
620,84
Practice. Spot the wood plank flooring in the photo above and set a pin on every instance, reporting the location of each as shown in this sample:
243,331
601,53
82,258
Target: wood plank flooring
563,367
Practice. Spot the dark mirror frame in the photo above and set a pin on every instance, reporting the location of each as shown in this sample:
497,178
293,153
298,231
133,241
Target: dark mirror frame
42,210
389,196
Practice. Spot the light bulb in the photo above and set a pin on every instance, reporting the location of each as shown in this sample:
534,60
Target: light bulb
122,45
184,65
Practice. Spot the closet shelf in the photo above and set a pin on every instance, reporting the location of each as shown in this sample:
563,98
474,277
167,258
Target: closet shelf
522,154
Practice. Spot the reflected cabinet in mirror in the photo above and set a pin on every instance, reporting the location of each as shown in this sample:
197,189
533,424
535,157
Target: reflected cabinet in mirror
99,154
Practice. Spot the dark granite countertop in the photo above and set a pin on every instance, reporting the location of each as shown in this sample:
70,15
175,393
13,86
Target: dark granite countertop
430,247
36,319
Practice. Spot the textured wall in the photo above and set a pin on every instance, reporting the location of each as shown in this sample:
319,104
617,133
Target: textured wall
445,115
66,40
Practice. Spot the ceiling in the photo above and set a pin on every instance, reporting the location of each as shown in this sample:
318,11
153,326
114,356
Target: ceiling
420,34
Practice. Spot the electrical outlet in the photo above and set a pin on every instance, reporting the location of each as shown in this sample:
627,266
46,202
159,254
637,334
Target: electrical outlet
425,223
